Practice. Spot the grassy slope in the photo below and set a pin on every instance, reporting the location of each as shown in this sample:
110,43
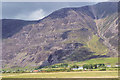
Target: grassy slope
111,61
96,46
93,44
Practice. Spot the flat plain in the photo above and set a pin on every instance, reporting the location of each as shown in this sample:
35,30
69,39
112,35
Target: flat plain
80,74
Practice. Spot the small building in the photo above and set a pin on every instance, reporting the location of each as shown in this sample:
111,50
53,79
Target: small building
108,65
35,71
80,68
3,71
14,71
117,65
68,66
85,68
74,68
31,71
97,66
7,71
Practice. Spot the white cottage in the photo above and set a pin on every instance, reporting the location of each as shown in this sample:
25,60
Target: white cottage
80,68
117,65
74,68
108,65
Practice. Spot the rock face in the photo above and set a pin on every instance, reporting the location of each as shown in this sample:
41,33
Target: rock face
68,34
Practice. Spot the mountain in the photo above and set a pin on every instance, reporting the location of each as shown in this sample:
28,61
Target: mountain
68,34
12,26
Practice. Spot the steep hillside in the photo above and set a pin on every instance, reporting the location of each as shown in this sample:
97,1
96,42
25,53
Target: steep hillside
108,30
68,34
12,26
105,9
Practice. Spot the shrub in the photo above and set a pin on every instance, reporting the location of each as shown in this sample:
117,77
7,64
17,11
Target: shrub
102,69
75,66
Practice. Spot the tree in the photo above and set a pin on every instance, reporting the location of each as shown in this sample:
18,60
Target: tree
75,66
85,66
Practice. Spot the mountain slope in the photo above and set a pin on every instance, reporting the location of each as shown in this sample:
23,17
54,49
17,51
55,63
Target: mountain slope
12,26
68,34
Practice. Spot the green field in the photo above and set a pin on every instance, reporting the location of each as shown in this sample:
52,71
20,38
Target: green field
110,61
81,74
109,73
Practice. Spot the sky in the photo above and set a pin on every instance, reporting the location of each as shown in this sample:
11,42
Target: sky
35,10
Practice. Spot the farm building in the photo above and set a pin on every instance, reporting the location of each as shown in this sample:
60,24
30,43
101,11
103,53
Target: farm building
79,68
108,65
35,71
